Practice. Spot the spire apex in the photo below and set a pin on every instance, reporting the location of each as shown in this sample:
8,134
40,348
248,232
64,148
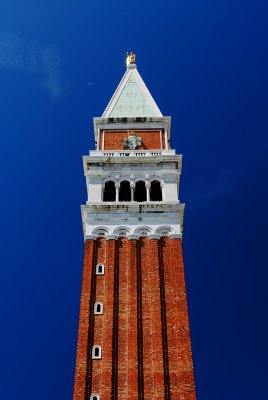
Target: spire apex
130,60
132,98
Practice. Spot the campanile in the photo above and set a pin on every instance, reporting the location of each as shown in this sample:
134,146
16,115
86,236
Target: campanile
133,339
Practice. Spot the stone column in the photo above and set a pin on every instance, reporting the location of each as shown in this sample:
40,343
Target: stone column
162,184
132,188
148,187
117,187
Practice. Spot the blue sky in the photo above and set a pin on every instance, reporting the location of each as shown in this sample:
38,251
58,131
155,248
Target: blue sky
205,62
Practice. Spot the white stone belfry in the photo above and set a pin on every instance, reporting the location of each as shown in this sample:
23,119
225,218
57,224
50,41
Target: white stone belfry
132,154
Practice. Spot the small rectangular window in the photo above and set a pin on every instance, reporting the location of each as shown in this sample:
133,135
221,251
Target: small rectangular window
98,308
96,353
99,269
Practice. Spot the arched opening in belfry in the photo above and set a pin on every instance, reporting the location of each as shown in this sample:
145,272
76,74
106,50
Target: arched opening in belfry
125,191
140,191
109,191
156,191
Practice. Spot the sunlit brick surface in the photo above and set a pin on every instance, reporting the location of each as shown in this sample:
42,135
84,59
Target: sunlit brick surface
114,140
144,331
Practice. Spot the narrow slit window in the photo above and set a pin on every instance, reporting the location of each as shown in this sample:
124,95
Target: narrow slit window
96,353
98,308
100,269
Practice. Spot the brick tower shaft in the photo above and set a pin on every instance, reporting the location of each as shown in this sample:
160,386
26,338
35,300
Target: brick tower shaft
133,339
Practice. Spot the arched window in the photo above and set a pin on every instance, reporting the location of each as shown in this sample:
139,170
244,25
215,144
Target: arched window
109,191
125,191
96,353
98,308
99,269
156,191
94,397
140,191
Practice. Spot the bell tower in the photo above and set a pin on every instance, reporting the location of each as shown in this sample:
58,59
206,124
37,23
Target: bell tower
133,339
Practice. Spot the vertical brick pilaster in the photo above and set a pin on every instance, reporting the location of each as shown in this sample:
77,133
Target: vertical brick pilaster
139,320
178,333
163,308
99,326
81,371
108,304
123,320
132,321
151,319
158,369
114,395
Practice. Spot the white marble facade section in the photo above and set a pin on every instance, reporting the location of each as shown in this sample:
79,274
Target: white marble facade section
134,231
166,174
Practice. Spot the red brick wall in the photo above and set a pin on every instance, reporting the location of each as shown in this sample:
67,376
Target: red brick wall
152,271
82,343
164,145
151,319
179,342
107,351
99,323
127,320
114,140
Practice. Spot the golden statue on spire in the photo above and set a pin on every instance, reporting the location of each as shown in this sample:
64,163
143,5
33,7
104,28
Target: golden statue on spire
131,57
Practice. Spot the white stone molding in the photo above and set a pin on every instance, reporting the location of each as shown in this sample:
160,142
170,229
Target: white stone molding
111,237
132,153
154,236
121,231
175,236
91,237
135,232
101,231
143,231
133,237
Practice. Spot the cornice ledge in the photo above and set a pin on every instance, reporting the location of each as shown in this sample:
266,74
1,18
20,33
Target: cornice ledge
175,236
133,237
155,236
111,237
91,237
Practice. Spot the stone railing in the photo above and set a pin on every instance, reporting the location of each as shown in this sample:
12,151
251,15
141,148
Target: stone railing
131,153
